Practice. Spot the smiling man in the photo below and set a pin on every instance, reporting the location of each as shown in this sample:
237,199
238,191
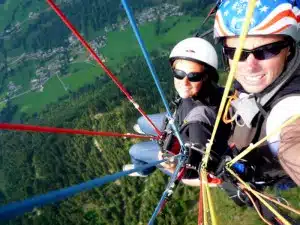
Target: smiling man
267,83
262,61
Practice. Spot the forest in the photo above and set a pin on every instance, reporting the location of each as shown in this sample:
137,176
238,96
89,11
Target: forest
87,16
34,163
35,61
37,163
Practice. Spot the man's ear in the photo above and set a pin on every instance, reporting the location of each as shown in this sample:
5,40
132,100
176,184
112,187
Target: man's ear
291,51
288,55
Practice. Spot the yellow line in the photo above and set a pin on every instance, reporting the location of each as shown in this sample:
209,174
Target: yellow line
211,206
242,38
204,194
282,219
253,146
278,203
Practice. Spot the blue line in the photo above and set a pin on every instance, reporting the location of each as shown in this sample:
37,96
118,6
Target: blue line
146,55
152,70
183,149
18,208
165,194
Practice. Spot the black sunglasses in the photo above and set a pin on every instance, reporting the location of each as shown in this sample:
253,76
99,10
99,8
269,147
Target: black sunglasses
261,53
192,77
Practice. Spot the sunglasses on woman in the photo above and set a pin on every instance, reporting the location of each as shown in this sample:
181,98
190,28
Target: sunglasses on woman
192,77
260,53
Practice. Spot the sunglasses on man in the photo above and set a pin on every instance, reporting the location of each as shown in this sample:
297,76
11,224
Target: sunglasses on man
192,77
263,52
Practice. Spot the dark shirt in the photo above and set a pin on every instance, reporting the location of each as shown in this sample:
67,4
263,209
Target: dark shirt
194,132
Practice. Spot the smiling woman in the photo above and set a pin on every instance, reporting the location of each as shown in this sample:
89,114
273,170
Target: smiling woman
194,64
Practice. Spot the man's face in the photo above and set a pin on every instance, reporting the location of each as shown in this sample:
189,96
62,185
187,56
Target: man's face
253,74
184,87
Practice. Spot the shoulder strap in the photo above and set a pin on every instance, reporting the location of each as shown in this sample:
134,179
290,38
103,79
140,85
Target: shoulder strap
201,113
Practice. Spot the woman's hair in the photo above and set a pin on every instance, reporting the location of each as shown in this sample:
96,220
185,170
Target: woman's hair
210,93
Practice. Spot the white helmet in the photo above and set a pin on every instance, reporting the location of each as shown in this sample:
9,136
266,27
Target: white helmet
195,49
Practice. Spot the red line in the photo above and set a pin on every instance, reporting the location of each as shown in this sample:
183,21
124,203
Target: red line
181,173
99,61
31,128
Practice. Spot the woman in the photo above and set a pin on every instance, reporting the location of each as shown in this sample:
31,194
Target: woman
194,63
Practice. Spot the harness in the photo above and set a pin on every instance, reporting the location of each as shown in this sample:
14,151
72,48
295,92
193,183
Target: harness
200,114
268,169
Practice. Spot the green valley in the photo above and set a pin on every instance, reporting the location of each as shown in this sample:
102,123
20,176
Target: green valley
48,79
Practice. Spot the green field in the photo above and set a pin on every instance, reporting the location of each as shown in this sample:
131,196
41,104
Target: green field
2,180
22,76
36,101
120,44
6,12
9,7
81,73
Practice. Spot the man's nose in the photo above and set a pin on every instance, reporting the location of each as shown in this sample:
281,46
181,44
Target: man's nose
251,60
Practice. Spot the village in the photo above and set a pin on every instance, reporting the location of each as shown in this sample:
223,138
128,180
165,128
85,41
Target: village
53,58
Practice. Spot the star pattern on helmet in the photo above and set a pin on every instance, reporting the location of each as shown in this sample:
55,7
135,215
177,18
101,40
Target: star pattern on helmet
264,9
226,13
235,6
226,3
232,16
253,21
239,11
233,22
258,3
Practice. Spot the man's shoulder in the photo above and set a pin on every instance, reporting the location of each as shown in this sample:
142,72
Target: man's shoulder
283,110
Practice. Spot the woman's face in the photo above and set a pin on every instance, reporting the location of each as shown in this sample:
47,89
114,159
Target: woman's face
253,74
184,87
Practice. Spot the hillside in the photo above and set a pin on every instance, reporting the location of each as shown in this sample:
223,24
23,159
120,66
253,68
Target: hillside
39,67
48,79
38,163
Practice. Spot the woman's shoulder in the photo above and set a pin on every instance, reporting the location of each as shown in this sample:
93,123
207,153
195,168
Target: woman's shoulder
202,113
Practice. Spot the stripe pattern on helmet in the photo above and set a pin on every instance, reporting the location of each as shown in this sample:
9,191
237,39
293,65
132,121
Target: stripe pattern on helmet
269,17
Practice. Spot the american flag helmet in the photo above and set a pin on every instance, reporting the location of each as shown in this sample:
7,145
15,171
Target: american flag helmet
269,17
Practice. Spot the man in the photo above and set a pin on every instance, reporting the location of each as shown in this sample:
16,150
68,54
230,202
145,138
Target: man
267,81
194,63
267,78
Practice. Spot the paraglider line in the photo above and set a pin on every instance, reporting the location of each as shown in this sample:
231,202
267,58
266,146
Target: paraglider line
41,129
171,183
99,61
153,72
18,208
146,55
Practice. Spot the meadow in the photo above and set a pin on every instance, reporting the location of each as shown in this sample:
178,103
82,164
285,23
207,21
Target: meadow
120,45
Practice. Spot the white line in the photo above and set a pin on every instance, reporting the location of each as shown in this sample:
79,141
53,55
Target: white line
62,83
19,95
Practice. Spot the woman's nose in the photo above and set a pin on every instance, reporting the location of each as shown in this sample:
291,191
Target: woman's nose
185,80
